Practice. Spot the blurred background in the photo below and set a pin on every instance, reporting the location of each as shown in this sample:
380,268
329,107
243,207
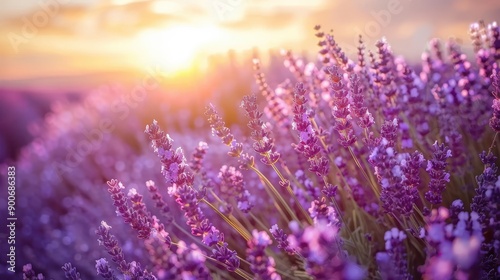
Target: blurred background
61,49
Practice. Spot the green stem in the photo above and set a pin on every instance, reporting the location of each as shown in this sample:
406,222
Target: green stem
276,193
241,230
289,189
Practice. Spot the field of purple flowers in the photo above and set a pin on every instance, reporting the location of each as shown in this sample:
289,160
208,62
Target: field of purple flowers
352,168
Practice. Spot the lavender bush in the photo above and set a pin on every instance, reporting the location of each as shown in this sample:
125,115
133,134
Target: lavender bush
366,169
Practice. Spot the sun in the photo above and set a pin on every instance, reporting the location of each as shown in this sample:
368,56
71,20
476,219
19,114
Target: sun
177,48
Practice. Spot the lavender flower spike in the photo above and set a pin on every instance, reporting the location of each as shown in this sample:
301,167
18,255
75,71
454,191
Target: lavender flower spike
282,239
70,272
29,273
263,141
393,262
137,215
104,269
495,120
260,263
318,244
436,167
175,170
109,242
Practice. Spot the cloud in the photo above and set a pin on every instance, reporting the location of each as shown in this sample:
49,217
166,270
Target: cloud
96,28
102,18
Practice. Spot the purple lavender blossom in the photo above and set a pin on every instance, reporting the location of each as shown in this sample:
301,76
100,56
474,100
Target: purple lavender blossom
393,262
226,256
232,185
261,264
495,120
318,245
454,248
197,157
104,270
137,272
190,263
398,174
30,274
364,118
109,242
188,199
224,133
411,169
436,167
282,239
263,141
339,105
485,204
330,191
308,141
135,215
159,202
276,107
70,272
174,170
321,212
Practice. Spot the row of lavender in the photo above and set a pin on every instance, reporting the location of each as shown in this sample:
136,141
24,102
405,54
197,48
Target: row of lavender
349,170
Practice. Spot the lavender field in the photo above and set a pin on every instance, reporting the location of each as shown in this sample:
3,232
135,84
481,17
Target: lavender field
342,164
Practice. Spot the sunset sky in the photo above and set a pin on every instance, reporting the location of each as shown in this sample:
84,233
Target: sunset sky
48,38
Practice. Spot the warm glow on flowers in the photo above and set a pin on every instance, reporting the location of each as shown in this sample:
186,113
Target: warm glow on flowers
343,167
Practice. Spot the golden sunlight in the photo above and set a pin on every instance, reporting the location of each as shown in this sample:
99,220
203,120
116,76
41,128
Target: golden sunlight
178,48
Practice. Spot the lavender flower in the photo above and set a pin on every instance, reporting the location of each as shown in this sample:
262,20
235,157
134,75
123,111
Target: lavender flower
294,65
224,133
485,204
384,80
411,167
339,106
30,274
188,199
439,177
160,203
192,262
137,215
454,248
324,259
70,272
363,117
282,239
197,158
330,191
174,170
109,242
226,256
321,212
137,272
393,262
263,141
495,120
308,141
397,173
260,263
276,107
104,270
233,185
